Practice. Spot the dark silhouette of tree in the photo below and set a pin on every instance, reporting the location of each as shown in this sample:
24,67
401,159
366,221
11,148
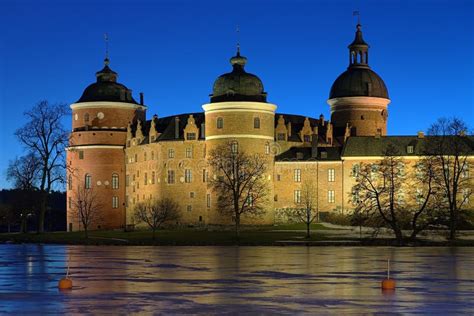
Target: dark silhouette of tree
239,181
87,207
306,211
155,213
44,136
8,215
23,172
450,146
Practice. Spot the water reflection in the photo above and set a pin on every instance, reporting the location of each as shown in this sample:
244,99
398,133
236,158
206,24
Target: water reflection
210,280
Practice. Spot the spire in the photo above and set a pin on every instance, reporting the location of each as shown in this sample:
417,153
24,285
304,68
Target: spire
106,74
358,50
106,40
238,61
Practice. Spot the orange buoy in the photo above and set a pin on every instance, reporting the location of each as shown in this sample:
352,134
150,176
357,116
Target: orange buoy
388,284
65,284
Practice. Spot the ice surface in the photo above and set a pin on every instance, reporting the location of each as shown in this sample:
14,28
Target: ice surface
227,280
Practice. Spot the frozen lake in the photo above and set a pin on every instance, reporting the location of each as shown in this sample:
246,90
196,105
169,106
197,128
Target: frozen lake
220,280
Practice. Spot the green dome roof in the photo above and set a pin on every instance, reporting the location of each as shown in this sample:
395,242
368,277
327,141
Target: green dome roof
107,88
238,85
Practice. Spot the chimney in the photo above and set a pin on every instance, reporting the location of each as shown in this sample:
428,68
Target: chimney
421,134
176,127
141,98
203,130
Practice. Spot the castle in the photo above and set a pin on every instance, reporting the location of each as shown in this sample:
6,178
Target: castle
126,158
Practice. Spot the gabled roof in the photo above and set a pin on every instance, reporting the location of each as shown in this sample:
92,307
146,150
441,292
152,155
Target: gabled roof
375,146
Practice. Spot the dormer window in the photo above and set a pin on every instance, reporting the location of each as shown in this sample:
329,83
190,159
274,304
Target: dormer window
410,149
307,138
190,136
324,155
256,122
281,136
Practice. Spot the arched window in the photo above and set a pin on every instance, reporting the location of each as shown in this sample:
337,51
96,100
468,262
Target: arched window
86,118
69,182
88,181
256,122
267,148
220,122
115,181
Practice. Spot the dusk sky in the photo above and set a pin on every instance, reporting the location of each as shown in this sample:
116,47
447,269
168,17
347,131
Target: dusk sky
174,50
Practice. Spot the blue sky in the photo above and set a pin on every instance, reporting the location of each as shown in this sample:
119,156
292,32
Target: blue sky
174,50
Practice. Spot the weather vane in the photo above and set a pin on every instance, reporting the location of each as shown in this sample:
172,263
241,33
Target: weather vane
106,39
238,39
356,13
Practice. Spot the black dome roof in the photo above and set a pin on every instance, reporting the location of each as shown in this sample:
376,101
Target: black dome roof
358,81
238,85
107,88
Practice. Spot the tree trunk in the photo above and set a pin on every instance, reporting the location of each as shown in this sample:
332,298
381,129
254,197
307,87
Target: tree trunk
42,212
398,235
453,225
237,226
308,223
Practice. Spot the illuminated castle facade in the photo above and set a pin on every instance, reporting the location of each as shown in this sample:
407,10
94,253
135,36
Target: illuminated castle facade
126,158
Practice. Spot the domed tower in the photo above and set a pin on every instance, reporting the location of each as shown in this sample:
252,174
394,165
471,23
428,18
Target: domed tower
359,97
238,112
96,160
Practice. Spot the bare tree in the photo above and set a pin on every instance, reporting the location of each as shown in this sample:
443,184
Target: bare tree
449,145
44,136
378,187
157,212
306,212
87,206
7,215
239,181
23,172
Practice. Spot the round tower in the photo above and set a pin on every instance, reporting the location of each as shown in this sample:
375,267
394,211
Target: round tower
239,113
359,97
95,156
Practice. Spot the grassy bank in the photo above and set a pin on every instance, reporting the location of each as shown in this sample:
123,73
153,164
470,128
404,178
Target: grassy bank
293,234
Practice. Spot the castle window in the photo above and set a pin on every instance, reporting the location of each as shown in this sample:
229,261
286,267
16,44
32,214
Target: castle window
200,218
297,196
410,149
220,122
81,154
188,176
465,170
297,175
171,153
136,158
267,148
190,136
69,182
189,152
115,202
171,177
115,181
234,147
256,122
331,196
189,208
204,175
70,202
208,200
88,181
144,156
86,118
191,195
145,180
278,177
126,200
307,138
281,136
153,177
355,170
331,175
362,117
152,155
127,180
324,155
